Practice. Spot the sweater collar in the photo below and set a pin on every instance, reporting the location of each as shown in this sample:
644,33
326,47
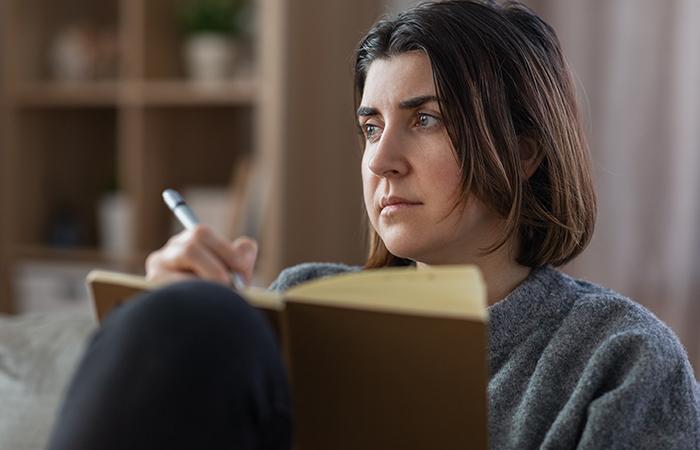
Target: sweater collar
511,319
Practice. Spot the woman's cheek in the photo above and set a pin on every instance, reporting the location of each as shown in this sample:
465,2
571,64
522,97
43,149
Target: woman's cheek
368,188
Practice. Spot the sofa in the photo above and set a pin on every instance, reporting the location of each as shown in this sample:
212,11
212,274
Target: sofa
38,354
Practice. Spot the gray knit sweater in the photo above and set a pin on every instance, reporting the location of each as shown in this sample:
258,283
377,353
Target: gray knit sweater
574,365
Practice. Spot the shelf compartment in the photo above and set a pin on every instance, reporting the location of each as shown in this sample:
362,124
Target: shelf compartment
47,20
163,43
68,157
55,284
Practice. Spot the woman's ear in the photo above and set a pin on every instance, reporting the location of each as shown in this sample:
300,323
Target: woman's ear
529,156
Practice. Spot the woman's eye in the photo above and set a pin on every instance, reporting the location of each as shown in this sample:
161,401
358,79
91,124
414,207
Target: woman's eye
371,131
427,121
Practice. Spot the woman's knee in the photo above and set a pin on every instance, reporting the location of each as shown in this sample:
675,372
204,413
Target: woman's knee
190,317
164,357
190,301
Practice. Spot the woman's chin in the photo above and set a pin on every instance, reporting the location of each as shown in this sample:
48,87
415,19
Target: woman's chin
406,250
410,241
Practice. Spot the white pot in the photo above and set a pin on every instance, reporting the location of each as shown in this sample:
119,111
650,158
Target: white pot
71,55
209,57
114,220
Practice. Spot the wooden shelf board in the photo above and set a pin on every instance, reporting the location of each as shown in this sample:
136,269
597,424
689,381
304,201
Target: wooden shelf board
77,255
239,91
64,94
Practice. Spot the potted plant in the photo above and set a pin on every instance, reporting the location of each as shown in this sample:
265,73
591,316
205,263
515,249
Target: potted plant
212,30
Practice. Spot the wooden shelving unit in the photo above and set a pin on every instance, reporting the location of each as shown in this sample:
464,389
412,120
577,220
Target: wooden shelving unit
144,127
147,127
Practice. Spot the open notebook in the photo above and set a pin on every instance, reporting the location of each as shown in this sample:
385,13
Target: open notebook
379,359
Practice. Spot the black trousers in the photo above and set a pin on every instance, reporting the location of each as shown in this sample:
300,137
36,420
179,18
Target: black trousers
190,366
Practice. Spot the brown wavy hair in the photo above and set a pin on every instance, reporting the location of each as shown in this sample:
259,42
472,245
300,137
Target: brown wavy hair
501,78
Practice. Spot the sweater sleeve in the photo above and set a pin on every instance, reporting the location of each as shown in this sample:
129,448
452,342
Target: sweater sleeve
646,396
291,276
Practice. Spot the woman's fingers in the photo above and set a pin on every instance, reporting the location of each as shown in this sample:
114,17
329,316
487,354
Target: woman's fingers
163,276
246,250
203,253
200,259
238,256
183,258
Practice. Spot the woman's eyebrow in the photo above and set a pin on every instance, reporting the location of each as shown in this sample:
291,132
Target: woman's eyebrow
411,103
364,111
415,102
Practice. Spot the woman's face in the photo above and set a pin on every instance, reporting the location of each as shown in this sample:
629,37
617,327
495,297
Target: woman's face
410,172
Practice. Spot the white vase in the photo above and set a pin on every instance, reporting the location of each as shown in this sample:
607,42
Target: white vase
71,55
114,220
209,57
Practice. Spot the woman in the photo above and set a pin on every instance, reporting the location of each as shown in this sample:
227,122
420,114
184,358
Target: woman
473,153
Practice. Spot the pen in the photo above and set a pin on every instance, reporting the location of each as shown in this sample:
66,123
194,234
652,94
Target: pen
189,220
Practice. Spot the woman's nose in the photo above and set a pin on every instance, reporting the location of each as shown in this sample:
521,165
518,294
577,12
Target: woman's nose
388,158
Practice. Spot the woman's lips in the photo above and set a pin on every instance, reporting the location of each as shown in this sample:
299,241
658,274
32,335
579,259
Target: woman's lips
390,205
392,209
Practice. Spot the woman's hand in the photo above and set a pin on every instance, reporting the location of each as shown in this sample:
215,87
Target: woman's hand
202,253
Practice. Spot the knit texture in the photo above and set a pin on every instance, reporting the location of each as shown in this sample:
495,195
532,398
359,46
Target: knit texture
574,365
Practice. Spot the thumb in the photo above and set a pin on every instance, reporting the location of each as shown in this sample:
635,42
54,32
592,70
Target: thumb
246,250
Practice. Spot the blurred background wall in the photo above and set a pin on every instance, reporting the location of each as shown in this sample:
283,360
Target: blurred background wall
140,123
